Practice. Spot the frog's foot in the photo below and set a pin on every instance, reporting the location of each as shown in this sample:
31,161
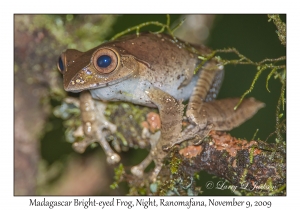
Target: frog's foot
102,129
155,172
138,170
191,132
99,137
103,122
202,134
187,134
80,146
95,126
111,156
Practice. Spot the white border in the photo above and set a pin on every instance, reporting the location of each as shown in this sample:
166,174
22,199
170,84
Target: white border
8,8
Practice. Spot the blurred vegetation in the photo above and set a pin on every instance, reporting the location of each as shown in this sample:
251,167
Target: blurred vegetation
252,35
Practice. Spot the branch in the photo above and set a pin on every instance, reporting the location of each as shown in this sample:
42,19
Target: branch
248,165
254,168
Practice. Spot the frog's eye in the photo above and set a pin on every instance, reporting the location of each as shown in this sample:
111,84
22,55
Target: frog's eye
60,65
105,60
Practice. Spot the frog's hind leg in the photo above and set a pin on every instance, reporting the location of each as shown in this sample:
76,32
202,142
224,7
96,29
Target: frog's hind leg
207,114
138,170
171,113
206,89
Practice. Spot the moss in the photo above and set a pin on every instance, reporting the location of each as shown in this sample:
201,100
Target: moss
119,172
175,162
281,28
128,118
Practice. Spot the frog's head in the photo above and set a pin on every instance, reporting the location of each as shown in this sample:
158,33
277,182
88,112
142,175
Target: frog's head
101,66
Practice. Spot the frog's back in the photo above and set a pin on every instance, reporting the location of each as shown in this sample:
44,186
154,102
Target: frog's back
169,62
160,50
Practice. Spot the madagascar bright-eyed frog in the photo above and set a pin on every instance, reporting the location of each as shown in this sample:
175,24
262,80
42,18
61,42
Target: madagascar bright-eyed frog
156,70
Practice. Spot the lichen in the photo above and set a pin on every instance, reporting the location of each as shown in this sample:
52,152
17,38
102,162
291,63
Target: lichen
281,27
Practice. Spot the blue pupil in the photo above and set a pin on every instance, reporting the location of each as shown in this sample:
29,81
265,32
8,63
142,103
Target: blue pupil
60,64
104,61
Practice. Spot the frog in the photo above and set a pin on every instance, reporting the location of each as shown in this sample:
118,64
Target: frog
157,70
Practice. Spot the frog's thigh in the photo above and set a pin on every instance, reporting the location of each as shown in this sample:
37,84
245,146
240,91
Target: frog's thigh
170,111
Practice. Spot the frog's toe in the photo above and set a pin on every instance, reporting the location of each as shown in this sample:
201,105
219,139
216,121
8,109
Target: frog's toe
155,172
81,146
167,147
200,136
137,171
113,158
110,126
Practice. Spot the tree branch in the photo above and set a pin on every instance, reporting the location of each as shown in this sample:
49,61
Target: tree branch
253,165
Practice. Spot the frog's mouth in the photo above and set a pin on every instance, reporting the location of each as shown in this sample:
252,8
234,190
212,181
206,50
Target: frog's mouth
80,83
75,91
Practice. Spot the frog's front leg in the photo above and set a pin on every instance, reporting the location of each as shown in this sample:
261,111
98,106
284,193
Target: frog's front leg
95,126
171,112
